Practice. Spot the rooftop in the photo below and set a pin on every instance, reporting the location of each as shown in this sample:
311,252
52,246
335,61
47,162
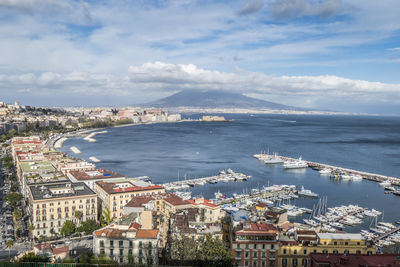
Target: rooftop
115,188
59,190
95,175
344,236
203,201
35,166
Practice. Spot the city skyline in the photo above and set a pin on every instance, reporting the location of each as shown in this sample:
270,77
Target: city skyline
330,54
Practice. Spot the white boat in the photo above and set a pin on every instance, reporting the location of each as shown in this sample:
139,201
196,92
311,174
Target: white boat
325,171
356,177
219,195
274,159
385,184
307,192
297,164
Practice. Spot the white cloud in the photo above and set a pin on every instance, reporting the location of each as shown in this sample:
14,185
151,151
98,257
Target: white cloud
282,9
251,6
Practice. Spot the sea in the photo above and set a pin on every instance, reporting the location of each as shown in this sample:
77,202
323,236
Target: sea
175,151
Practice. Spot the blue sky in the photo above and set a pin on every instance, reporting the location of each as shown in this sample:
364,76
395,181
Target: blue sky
333,54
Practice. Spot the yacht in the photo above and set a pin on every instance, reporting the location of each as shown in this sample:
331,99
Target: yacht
307,192
274,159
325,171
297,164
356,177
385,184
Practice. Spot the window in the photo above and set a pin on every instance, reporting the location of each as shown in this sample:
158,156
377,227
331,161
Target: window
324,242
237,246
130,244
263,264
237,254
246,254
305,251
294,262
246,263
335,252
358,252
358,243
121,243
111,252
140,253
325,251
369,252
295,251
102,251
102,243
111,243
284,262
121,260
284,251
121,252
255,246
254,263
263,246
315,251
130,252
140,244
346,243
272,246
247,246
335,243
304,262
255,255
263,254
346,252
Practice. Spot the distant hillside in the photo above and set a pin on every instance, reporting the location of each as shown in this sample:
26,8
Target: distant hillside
215,99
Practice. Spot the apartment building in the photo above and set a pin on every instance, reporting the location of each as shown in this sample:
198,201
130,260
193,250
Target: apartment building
93,176
114,196
127,243
51,204
255,245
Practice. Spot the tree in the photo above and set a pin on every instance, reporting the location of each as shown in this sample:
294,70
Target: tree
67,228
88,226
13,199
9,244
17,215
107,215
78,216
213,251
32,257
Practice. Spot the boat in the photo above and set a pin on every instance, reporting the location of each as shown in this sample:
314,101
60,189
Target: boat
307,192
212,181
325,171
274,159
356,177
385,183
219,195
297,164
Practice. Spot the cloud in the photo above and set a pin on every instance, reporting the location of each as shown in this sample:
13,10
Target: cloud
251,6
284,9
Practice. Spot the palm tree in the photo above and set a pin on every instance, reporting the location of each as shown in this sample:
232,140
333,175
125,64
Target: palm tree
9,244
31,228
78,216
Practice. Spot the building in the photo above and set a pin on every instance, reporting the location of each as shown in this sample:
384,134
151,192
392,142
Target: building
127,243
255,245
338,260
93,176
210,211
114,196
50,205
294,251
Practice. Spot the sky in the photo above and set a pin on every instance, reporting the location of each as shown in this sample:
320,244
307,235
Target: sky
319,54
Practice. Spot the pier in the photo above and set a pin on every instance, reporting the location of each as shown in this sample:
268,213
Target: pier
319,166
383,236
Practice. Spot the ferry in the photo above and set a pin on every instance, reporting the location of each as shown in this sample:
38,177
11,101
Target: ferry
273,159
297,164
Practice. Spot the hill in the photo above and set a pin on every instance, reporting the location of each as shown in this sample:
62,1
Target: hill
215,99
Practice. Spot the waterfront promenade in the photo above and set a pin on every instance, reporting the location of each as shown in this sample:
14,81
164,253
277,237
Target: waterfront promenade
319,166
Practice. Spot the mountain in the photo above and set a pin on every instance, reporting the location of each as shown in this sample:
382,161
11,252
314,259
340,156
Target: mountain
215,99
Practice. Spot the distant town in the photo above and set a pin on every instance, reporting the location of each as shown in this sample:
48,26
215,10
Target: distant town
62,209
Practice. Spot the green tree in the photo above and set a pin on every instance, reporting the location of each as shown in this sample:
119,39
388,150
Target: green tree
107,215
213,250
68,260
88,226
67,228
9,244
32,257
78,216
17,214
13,199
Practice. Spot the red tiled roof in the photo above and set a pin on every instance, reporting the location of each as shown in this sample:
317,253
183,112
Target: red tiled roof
206,202
134,225
60,250
139,201
175,200
258,229
151,234
262,205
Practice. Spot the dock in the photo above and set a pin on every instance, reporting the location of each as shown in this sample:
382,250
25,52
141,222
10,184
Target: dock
319,166
383,236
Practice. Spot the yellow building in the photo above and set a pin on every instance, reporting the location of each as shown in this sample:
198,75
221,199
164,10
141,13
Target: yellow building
50,205
294,251
114,196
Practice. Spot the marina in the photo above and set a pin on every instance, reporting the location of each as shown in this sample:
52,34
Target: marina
383,180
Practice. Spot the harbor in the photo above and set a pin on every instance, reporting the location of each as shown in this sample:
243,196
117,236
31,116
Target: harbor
335,170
